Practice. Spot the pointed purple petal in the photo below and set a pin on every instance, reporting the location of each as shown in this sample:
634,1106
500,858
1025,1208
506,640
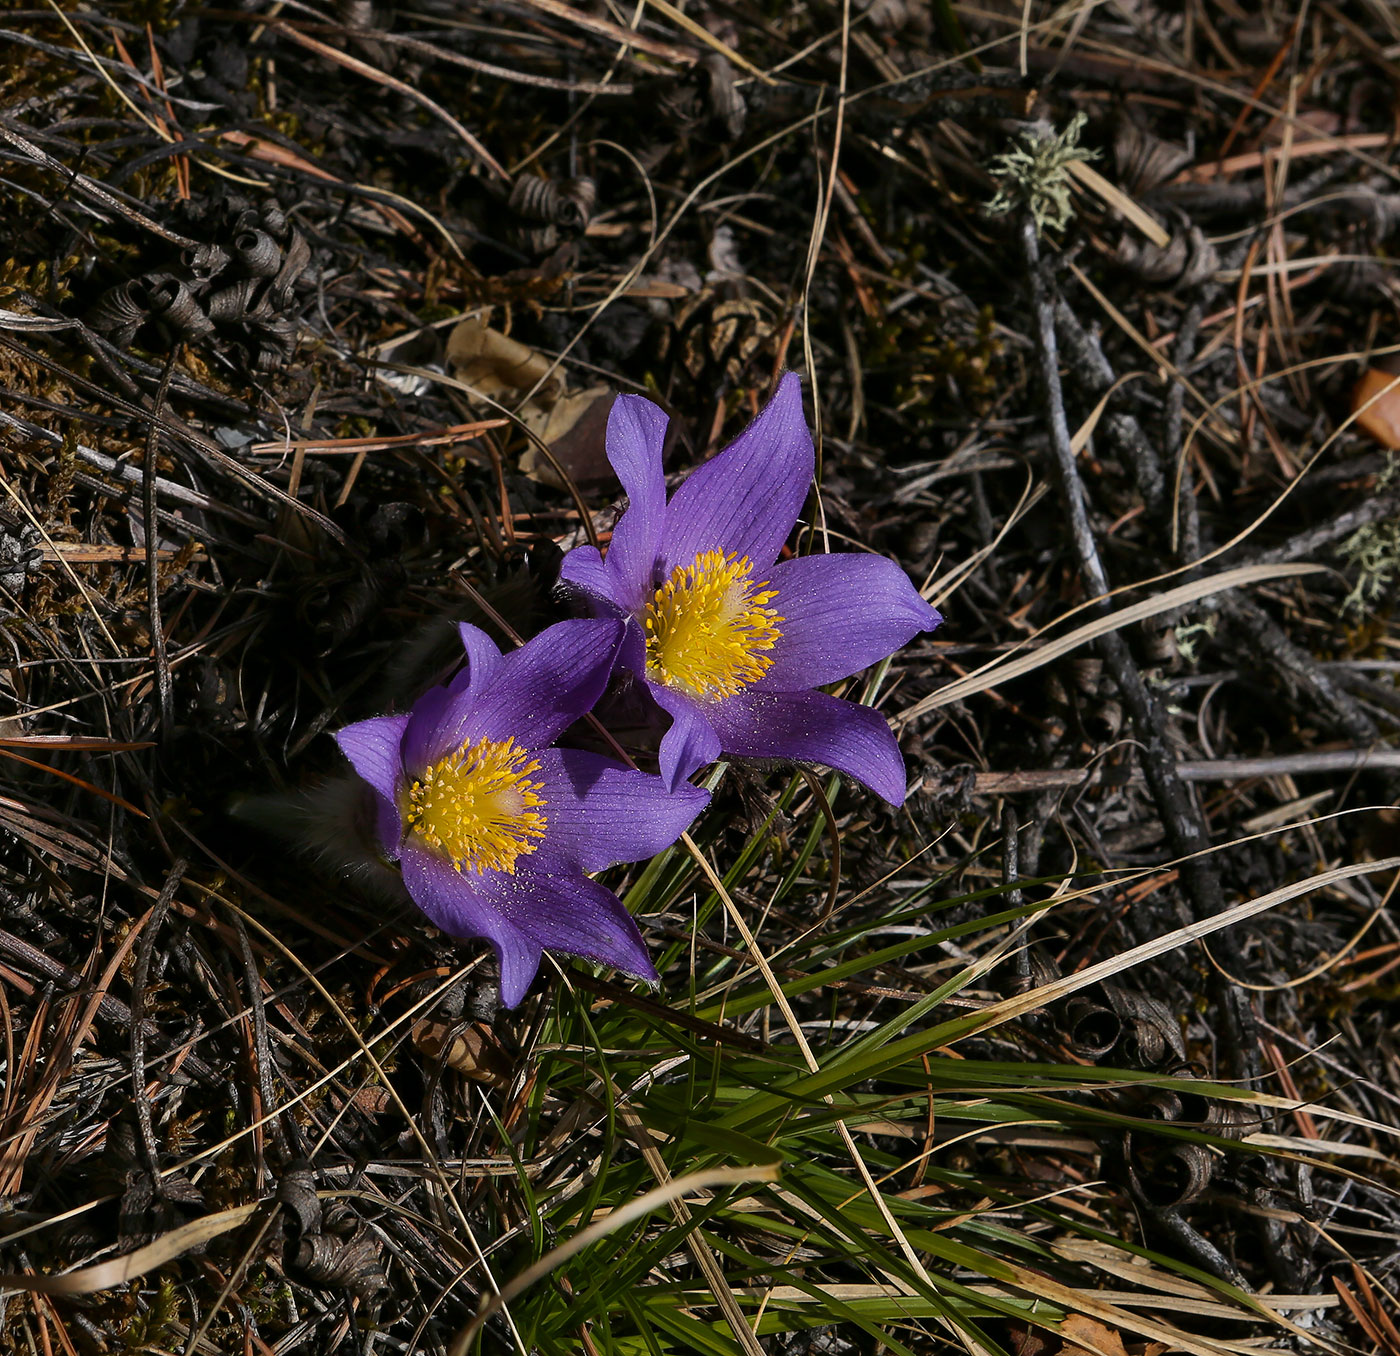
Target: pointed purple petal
691,742
534,694
576,915
632,653
422,740
584,571
373,748
600,813
636,437
589,581
483,654
841,613
811,727
748,497
465,904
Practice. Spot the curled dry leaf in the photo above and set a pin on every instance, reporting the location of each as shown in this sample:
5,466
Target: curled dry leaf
569,203
472,1051
257,253
493,363
1085,1336
1187,260
1167,1172
1145,161
172,301
1092,1028
574,429
120,311
571,423
1376,404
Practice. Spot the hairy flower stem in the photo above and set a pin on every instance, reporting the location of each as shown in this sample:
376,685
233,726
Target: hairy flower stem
1177,806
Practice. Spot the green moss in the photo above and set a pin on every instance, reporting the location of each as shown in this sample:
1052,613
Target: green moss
157,1325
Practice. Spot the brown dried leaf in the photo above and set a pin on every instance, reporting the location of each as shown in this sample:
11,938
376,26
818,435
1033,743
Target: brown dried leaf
574,428
473,1051
1376,403
1085,1336
493,362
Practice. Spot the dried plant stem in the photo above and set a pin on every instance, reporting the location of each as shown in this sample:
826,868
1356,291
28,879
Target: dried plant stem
139,980
152,534
1181,815
1258,634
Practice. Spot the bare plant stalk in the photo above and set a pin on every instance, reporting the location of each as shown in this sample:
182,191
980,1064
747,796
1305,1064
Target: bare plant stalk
1176,804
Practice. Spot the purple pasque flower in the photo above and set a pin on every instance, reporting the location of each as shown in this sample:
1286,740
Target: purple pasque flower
729,643
493,828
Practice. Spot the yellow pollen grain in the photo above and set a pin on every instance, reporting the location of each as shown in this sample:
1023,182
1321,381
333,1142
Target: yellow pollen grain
478,806
708,627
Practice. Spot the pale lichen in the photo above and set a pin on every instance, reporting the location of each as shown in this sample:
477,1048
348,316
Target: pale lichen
1373,551
1036,175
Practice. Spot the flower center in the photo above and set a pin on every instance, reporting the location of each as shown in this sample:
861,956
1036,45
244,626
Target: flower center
707,627
478,806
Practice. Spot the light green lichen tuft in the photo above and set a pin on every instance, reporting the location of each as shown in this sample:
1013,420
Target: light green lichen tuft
1036,175
1374,552
1189,637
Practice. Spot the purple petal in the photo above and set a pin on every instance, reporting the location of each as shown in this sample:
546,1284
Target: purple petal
588,579
534,694
636,437
600,813
421,744
483,654
576,915
422,739
632,653
748,497
841,613
691,742
811,727
373,748
584,570
464,904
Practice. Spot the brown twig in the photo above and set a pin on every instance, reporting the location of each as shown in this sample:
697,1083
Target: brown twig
1180,814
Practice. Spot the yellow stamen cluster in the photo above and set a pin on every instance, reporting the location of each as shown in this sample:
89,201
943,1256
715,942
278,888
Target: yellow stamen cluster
478,807
708,627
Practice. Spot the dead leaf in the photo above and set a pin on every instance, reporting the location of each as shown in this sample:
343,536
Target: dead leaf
1376,402
493,362
1085,1336
571,423
1028,1341
574,429
473,1051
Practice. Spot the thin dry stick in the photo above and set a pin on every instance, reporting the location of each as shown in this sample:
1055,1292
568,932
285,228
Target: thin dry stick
1181,815
150,527
451,58
121,1270
235,1278
60,1061
1010,1008
139,979
818,235
408,91
700,1250
1203,770
1013,665
387,1083
606,29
